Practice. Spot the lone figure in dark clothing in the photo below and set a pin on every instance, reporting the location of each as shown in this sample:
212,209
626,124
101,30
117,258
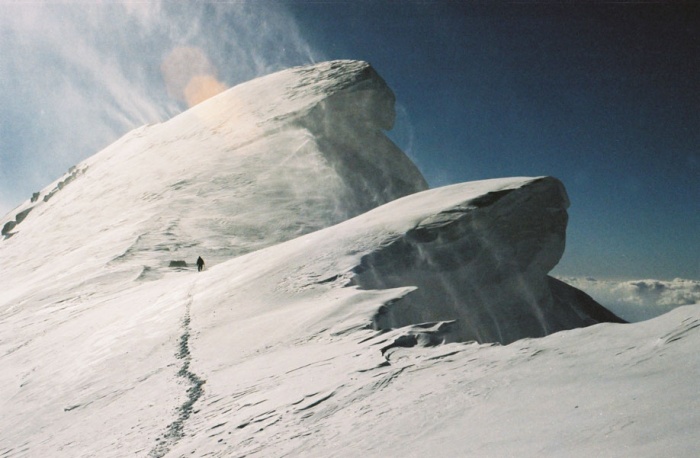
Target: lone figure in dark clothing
200,264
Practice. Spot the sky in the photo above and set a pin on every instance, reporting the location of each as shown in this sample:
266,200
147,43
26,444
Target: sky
603,96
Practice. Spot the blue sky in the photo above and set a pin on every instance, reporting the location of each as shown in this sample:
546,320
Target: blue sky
605,97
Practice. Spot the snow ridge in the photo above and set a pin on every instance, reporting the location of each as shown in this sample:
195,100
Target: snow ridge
340,304
301,149
11,225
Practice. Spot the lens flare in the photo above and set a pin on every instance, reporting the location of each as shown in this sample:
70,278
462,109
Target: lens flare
189,76
201,88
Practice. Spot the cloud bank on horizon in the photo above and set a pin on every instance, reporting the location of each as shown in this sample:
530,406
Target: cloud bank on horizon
76,76
639,300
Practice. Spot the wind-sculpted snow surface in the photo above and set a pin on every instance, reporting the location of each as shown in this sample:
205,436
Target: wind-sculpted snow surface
310,334
328,382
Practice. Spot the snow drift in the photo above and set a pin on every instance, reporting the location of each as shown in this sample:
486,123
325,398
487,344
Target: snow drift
334,309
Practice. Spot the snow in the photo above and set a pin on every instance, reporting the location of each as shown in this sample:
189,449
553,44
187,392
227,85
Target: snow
278,348
246,156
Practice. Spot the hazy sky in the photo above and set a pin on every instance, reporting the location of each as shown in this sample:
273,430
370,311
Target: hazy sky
605,97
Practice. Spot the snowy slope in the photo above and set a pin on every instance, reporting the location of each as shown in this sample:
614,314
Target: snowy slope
203,182
272,353
350,340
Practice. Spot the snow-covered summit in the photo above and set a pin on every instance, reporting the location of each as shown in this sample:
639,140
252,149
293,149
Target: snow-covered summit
264,162
334,307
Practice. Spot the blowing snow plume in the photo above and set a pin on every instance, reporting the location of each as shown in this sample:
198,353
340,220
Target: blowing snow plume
107,68
262,151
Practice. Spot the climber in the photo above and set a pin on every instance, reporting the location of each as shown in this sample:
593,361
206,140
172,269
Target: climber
200,264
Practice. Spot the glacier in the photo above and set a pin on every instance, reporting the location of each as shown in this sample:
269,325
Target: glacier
345,310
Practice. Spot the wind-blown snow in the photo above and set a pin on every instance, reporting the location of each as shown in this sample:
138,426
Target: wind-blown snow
319,327
203,182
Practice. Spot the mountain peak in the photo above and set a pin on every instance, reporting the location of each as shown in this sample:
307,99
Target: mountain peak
335,297
265,161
